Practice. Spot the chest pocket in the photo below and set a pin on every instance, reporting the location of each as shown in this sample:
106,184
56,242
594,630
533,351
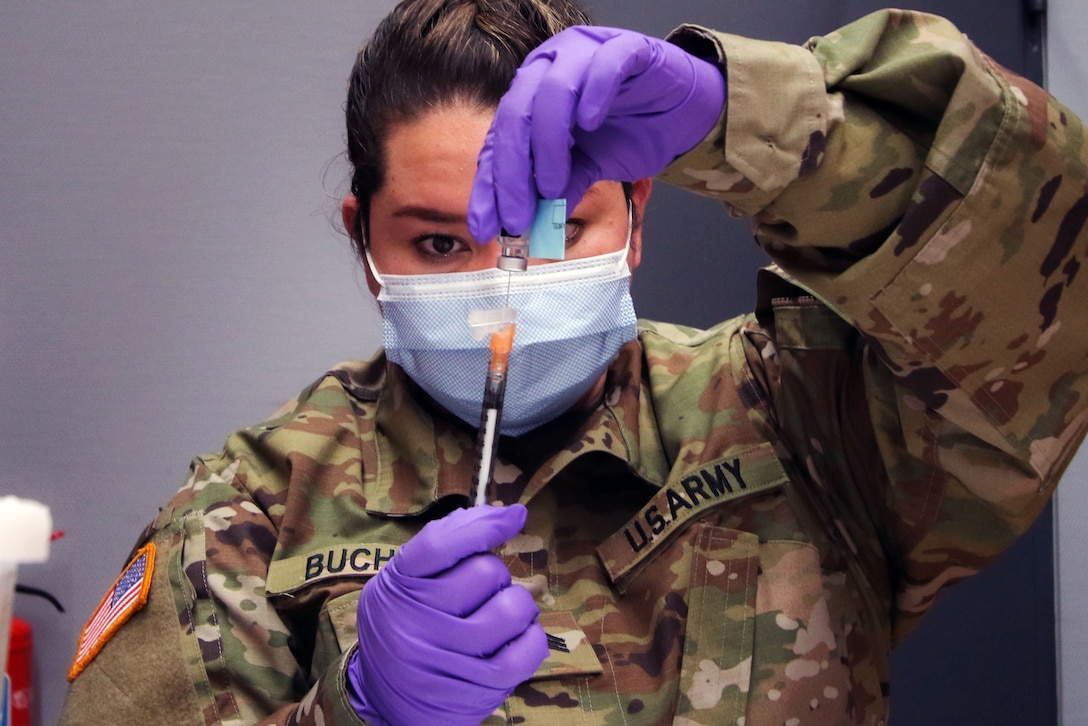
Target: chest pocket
334,575
674,552
716,669
336,632
760,645
755,638
757,642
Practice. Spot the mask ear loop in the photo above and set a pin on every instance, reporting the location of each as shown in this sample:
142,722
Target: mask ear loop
373,268
630,223
622,255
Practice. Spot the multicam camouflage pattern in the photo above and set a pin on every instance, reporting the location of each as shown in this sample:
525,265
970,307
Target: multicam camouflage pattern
755,514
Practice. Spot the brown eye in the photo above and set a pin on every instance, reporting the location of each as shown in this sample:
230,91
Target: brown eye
439,245
574,231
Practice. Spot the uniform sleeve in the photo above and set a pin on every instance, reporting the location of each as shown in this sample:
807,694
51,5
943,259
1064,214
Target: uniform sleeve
936,202
208,647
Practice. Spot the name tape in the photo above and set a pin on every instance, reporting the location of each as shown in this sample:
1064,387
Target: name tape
752,471
328,562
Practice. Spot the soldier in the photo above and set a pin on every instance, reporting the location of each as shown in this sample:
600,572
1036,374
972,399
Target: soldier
732,526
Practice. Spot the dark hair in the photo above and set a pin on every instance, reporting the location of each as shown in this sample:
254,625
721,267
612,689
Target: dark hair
427,54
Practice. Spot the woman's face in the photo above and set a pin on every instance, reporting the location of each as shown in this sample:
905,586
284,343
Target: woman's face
418,221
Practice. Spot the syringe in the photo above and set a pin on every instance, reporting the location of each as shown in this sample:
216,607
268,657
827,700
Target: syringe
491,412
546,240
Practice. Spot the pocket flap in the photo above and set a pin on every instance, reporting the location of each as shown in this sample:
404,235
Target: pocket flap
569,651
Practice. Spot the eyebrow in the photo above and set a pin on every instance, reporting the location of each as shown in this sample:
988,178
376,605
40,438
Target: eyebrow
429,214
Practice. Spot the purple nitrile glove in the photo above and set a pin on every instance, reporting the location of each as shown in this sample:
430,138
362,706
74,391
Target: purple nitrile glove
444,636
590,103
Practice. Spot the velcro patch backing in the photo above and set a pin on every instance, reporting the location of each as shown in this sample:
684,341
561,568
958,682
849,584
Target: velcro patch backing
127,595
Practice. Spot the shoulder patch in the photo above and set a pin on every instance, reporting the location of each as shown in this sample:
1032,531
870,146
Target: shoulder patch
127,595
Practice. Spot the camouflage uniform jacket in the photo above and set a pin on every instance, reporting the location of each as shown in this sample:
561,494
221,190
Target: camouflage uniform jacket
753,515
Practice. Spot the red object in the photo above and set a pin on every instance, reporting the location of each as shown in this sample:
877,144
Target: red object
19,649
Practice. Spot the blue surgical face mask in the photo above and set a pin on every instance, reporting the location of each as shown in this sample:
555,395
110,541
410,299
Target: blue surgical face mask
572,318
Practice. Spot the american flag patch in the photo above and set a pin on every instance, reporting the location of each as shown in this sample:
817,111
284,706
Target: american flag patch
128,594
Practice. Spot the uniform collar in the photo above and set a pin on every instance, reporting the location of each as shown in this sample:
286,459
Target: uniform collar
415,454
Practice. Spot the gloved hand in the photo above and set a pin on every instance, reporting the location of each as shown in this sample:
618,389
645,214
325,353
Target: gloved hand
444,636
590,103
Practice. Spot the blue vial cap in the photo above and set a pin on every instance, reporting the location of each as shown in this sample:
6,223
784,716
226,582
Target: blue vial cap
548,235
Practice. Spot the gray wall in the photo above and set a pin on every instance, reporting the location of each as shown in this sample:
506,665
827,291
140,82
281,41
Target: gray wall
170,269
1067,78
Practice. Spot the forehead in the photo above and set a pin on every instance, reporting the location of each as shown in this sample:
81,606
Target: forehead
443,143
